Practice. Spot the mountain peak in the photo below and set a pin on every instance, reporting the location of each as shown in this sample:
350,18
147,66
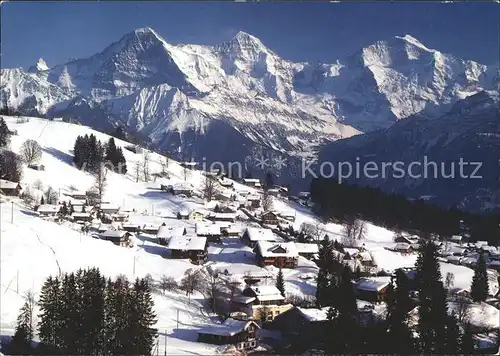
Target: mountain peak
40,66
409,39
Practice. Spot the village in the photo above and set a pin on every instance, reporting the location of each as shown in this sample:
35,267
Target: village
240,235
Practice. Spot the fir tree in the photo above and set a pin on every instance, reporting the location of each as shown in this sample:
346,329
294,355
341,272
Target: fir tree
432,300
70,318
23,336
322,286
50,324
42,200
479,288
269,180
452,335
467,340
4,133
280,282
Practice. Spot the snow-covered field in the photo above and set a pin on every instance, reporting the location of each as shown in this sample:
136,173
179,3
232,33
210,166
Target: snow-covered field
33,248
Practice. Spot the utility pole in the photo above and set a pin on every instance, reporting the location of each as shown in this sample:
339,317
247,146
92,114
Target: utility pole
134,266
177,318
12,212
17,281
165,342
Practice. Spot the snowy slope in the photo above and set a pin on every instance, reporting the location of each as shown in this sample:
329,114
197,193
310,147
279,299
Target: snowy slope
182,96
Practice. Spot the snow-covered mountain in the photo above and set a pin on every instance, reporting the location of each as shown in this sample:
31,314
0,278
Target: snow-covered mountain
224,102
470,132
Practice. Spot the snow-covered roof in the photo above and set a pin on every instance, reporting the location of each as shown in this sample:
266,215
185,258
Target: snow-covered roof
5,184
77,202
80,215
223,216
167,232
48,208
256,234
109,206
229,327
365,256
182,186
306,248
314,314
273,249
113,233
187,243
253,197
251,180
351,251
127,225
456,238
207,229
402,246
266,293
371,284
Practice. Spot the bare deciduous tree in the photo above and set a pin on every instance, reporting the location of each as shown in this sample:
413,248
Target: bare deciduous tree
191,282
185,172
164,164
38,184
449,280
137,171
31,151
210,188
100,180
145,165
311,230
27,197
51,196
354,229
267,201
463,310
167,283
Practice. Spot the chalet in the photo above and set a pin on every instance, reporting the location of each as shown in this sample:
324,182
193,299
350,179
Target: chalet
104,227
166,188
192,247
281,255
134,149
453,259
37,167
226,183
304,195
195,215
10,188
131,228
241,334
253,201
179,188
48,209
269,218
372,289
183,215
118,237
252,182
78,195
456,239
189,165
150,229
223,196
253,300
252,235
78,205
459,292
228,217
287,215
273,192
108,208
119,217
307,250
303,328
81,217
165,233
403,239
225,208
231,230
211,231
403,248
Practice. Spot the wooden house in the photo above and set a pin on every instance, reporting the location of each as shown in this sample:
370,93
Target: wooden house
108,208
10,188
226,183
81,217
252,182
37,167
48,210
252,235
372,289
253,201
281,255
269,218
225,217
118,237
196,215
150,229
165,233
211,231
403,248
456,239
189,165
256,299
303,328
119,217
239,333
307,250
131,228
78,195
191,247
183,215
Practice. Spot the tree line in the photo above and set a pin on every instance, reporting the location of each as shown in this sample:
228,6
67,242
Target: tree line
339,202
90,154
84,313
436,331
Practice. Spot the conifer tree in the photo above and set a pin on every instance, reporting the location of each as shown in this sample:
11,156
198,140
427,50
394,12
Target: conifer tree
467,341
71,308
50,315
280,283
42,200
4,133
322,288
432,300
23,336
452,335
479,288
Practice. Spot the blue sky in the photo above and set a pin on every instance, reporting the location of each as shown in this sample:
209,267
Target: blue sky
299,31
